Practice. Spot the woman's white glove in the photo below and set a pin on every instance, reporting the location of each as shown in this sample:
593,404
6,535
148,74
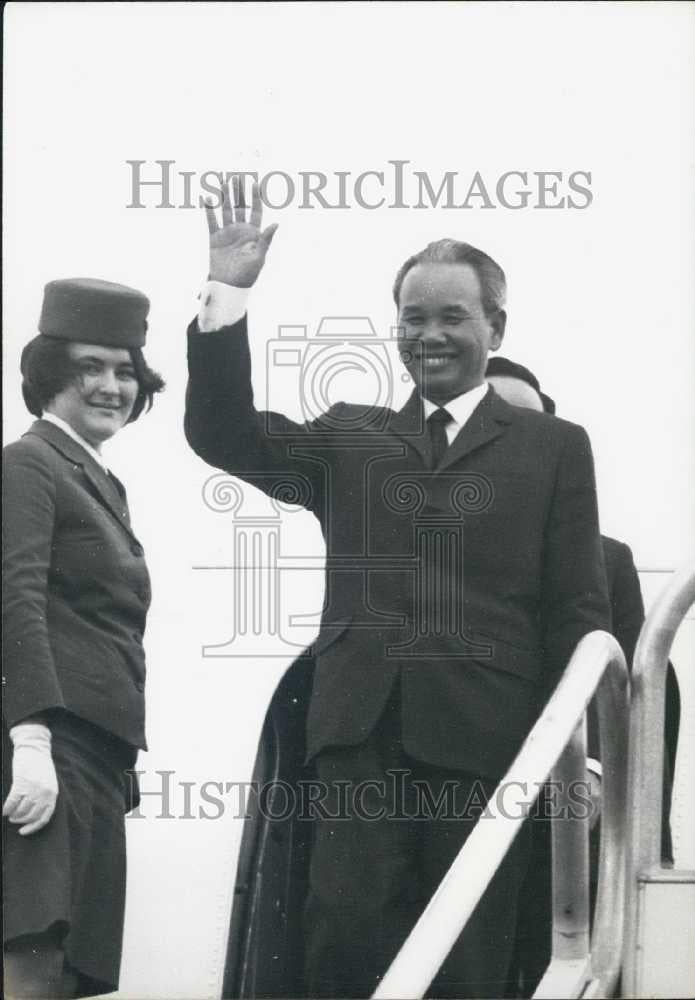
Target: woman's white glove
34,790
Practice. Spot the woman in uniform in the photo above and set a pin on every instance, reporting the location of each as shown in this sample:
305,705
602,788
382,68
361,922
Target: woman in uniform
76,593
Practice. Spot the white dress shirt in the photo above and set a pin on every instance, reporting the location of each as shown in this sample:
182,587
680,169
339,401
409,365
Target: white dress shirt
221,305
459,409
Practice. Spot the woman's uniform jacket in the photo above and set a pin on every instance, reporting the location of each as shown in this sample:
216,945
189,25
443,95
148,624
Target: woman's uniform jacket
531,582
76,588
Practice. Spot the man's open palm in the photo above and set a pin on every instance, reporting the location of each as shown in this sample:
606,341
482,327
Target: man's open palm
238,249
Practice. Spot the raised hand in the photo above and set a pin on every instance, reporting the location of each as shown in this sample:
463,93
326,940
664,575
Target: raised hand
238,248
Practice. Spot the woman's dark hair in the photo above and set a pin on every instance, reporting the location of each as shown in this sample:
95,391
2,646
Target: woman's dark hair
47,369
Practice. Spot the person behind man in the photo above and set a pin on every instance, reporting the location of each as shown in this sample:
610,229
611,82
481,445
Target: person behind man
520,387
416,674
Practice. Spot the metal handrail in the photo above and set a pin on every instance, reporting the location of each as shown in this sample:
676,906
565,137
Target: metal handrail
597,665
646,760
570,967
571,970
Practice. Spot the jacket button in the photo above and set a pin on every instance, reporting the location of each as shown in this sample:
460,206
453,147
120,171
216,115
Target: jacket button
136,549
140,685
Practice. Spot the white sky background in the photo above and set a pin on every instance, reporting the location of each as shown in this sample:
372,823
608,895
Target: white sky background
601,300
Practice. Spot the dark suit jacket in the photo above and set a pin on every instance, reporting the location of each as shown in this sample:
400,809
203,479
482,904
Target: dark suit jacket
627,607
76,588
520,487
627,612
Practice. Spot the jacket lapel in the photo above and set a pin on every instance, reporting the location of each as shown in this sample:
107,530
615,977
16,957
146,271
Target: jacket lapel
409,424
107,492
100,484
489,420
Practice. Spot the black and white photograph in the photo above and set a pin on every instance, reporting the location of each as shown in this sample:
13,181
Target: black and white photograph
348,494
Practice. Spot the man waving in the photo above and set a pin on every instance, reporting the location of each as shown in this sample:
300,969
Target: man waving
463,565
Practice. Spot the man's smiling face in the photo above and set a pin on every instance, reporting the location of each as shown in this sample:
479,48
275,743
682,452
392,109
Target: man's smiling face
444,333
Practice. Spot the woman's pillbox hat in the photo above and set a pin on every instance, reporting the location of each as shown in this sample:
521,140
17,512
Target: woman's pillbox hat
91,311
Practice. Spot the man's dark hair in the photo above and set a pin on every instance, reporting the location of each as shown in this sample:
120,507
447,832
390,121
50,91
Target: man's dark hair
493,284
503,366
47,369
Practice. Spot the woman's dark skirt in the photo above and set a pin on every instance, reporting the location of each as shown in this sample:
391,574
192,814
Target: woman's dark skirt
69,877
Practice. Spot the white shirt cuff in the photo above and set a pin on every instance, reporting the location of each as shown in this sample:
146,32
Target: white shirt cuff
221,305
595,766
31,734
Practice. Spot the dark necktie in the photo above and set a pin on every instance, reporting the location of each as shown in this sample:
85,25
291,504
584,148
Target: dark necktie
436,422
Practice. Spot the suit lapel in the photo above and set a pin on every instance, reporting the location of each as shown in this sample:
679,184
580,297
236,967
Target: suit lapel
98,479
107,492
488,421
409,424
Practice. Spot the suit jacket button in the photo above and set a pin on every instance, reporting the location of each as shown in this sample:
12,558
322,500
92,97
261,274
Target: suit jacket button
136,549
140,685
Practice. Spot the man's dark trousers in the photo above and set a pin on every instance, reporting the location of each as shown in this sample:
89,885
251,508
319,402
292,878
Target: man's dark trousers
399,826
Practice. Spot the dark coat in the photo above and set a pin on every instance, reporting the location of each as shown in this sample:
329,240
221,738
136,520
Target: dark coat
627,607
627,612
627,618
516,488
76,588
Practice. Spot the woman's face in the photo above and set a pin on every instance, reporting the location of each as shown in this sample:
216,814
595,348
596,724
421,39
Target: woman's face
100,400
